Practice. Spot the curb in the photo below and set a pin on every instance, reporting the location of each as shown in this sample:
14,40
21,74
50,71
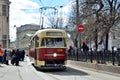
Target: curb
95,66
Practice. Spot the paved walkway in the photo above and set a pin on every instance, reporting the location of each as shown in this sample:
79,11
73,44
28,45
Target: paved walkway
94,66
22,72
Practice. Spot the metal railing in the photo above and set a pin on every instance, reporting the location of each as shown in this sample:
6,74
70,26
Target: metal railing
102,57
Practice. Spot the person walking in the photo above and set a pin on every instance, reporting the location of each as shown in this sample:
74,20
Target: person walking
1,54
13,55
100,53
22,55
17,57
4,56
85,50
8,57
70,51
75,50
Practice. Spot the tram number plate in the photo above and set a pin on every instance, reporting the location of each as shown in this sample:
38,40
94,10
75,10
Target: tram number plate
59,50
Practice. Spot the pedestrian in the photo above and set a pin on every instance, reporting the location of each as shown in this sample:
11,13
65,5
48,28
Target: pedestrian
85,50
75,50
70,51
22,55
114,50
8,56
100,50
118,56
4,57
1,54
17,57
13,55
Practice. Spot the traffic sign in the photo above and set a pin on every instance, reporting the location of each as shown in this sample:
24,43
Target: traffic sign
80,28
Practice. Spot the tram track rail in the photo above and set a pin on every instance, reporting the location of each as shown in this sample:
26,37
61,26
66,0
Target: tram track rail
46,75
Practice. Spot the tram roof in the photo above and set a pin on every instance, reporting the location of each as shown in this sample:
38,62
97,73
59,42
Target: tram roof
44,30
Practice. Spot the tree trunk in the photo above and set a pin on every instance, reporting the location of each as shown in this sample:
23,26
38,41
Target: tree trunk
106,42
76,42
96,39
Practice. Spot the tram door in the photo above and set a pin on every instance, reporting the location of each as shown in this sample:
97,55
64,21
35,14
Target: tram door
36,49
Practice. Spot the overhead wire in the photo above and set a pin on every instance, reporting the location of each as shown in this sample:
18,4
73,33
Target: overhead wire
41,3
50,3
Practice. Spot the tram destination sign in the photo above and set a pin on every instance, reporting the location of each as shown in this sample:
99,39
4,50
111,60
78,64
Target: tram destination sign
54,34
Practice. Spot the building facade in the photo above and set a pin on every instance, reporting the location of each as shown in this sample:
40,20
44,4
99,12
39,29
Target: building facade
4,23
24,34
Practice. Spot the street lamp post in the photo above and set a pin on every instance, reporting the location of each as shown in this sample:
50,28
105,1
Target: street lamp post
77,22
60,24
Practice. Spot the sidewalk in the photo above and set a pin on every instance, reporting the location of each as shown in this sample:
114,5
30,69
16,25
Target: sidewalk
94,66
25,71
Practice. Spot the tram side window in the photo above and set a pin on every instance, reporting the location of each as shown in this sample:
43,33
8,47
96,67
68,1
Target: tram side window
32,44
43,42
64,42
36,41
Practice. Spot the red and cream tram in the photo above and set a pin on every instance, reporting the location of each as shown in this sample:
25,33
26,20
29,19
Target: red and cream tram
48,49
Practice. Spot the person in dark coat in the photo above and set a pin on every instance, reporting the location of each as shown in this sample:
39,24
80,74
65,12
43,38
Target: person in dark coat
70,51
13,55
17,57
85,47
85,50
22,55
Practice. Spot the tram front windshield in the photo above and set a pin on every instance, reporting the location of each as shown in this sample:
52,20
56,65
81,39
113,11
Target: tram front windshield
54,42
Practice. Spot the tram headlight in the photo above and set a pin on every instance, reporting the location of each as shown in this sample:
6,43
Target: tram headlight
54,54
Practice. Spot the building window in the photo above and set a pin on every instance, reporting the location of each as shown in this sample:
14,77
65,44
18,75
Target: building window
3,10
7,19
4,37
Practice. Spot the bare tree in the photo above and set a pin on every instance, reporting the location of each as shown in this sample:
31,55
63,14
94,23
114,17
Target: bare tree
106,14
99,16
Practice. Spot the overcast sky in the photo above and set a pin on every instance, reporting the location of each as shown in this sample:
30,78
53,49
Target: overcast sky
27,12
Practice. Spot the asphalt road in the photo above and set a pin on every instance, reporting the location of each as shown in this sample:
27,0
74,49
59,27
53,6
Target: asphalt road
27,72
